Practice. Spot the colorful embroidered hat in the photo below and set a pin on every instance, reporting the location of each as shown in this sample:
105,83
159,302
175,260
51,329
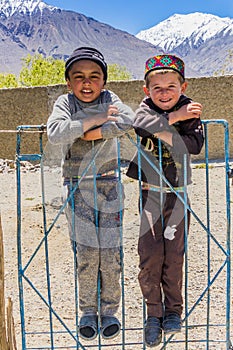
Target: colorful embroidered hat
164,62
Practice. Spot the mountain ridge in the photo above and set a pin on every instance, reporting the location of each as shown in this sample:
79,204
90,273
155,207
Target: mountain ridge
32,26
9,7
58,32
202,38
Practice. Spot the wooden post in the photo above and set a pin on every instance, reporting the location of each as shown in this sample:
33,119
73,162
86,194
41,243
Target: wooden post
3,340
10,327
7,335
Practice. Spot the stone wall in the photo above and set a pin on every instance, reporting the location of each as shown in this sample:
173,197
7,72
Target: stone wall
32,106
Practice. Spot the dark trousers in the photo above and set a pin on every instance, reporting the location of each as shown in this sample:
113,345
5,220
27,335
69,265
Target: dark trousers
161,251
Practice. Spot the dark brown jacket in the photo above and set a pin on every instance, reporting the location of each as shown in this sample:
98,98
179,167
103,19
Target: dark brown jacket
187,139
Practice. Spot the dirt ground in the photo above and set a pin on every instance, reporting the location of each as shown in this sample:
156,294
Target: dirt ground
205,265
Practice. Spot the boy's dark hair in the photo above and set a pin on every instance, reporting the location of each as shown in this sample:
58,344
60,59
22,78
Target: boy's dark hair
87,53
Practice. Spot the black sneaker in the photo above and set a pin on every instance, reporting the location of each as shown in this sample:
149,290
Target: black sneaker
153,331
172,324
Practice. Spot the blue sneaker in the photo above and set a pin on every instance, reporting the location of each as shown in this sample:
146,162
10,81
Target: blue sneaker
172,324
153,331
110,327
88,327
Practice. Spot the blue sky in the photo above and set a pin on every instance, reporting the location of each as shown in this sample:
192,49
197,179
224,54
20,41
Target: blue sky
134,15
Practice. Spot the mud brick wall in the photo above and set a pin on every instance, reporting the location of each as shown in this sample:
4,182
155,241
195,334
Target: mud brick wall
32,106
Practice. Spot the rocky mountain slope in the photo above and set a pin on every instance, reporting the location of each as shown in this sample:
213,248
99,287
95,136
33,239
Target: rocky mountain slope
205,41
31,26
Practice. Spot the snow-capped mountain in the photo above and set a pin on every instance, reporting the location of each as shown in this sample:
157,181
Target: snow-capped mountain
194,28
9,7
31,26
205,41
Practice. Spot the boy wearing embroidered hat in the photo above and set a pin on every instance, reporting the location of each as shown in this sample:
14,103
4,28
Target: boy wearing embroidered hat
170,128
86,122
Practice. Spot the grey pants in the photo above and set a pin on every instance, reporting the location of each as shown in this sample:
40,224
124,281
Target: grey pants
95,226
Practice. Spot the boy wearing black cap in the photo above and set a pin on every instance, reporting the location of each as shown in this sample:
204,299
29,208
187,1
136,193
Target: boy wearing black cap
86,123
168,119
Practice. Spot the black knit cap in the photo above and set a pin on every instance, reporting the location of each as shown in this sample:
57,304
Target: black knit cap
87,53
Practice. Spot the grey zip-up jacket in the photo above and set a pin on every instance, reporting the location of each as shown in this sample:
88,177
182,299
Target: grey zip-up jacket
65,128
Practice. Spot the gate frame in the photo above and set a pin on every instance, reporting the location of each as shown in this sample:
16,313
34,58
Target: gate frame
37,157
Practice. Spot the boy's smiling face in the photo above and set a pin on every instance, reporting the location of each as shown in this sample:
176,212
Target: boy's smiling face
86,80
165,89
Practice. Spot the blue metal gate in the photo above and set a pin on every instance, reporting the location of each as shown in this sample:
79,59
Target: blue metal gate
207,270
